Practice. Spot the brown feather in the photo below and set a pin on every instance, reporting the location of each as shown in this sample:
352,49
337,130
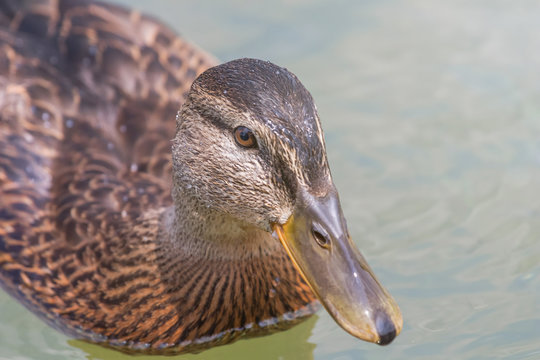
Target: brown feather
88,96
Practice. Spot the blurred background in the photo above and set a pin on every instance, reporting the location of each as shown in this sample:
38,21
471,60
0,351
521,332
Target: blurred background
431,112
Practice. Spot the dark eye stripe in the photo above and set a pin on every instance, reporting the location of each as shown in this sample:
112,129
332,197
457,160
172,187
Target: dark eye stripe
244,137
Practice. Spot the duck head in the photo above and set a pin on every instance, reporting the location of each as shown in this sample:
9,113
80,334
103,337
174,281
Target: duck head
250,144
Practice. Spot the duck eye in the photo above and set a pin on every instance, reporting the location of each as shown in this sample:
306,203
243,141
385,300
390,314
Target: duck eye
244,137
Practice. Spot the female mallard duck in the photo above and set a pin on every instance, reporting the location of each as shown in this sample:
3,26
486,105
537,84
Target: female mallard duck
108,240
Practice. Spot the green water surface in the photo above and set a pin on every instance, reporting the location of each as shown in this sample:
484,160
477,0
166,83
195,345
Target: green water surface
431,111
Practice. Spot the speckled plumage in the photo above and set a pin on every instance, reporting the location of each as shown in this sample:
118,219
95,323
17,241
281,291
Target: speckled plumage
88,97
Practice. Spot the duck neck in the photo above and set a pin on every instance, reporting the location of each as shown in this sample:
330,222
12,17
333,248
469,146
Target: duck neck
221,276
195,229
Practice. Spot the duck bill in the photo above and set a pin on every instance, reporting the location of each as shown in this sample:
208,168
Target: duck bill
317,241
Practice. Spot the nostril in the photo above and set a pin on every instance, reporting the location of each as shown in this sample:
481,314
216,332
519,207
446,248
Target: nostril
321,236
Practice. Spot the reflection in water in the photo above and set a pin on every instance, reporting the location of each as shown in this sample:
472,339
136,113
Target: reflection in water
280,346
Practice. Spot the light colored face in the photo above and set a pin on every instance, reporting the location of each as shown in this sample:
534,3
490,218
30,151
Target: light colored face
257,184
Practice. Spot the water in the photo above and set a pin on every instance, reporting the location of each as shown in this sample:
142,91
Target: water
432,118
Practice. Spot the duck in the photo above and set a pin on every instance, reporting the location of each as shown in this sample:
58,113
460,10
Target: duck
154,200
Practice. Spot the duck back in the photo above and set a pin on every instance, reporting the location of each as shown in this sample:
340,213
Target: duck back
88,95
